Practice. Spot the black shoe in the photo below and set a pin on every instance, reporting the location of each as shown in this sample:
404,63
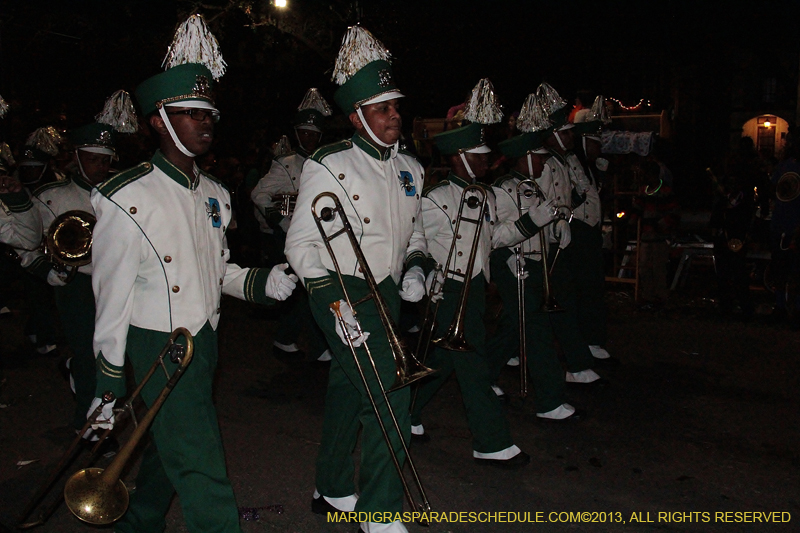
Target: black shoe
609,362
515,463
420,439
601,383
322,506
579,414
291,357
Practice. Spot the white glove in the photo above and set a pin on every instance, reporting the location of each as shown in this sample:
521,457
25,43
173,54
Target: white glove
543,213
56,279
413,286
280,284
439,275
562,233
284,224
512,264
352,326
105,419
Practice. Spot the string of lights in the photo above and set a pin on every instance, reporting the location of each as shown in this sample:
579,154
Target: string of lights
642,103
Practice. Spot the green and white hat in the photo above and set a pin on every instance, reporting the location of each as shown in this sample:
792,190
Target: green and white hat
193,62
95,137
535,126
590,122
481,109
311,112
363,74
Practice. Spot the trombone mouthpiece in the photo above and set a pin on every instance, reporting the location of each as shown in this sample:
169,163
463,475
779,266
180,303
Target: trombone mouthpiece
327,214
108,397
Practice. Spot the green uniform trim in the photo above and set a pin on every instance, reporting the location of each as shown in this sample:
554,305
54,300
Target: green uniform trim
40,267
109,378
323,291
254,286
501,180
409,154
47,186
416,258
427,190
378,152
113,184
16,202
81,182
333,148
526,226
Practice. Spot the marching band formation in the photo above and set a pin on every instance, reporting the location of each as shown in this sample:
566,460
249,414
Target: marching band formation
355,230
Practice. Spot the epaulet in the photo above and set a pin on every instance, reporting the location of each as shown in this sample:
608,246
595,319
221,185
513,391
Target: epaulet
113,184
409,154
427,190
502,179
51,185
324,151
284,156
214,179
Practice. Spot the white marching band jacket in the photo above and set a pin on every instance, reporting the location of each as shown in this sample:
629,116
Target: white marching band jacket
54,199
283,177
440,205
160,255
505,190
380,194
20,225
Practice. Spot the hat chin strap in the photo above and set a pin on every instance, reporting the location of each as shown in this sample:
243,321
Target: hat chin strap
178,144
80,166
375,137
560,142
530,165
466,166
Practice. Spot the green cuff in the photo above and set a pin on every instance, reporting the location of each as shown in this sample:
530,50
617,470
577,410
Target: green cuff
273,216
416,259
109,378
40,267
526,226
323,291
17,202
255,285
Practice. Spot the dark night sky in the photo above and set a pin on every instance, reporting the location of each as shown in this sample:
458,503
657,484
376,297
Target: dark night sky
69,56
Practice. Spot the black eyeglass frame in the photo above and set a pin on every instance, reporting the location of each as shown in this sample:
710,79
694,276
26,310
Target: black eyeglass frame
194,112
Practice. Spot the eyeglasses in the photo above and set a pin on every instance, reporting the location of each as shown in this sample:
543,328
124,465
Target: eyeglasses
198,114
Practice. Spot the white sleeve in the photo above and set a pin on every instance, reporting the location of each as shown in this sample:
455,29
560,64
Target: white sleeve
303,241
268,186
505,231
22,230
116,255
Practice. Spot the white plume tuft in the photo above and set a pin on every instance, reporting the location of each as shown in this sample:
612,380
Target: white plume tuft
359,48
194,43
282,147
482,106
118,112
314,100
45,139
532,116
599,111
550,100
3,107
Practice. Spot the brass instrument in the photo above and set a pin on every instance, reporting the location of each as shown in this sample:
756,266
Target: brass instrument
95,495
68,244
287,203
788,187
529,188
408,369
473,196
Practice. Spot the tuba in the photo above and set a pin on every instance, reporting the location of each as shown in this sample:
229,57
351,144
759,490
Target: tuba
788,187
68,244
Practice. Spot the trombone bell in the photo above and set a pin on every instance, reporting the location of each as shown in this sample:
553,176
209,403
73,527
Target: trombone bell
93,501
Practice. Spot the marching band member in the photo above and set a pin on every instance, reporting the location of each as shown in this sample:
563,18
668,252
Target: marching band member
94,150
586,251
283,179
160,262
379,186
547,375
467,154
563,179
20,225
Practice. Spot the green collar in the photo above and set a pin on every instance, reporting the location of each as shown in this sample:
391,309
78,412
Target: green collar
302,152
519,175
172,171
461,182
378,152
81,182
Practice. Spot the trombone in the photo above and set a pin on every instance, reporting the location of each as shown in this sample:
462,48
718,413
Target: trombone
407,368
97,496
